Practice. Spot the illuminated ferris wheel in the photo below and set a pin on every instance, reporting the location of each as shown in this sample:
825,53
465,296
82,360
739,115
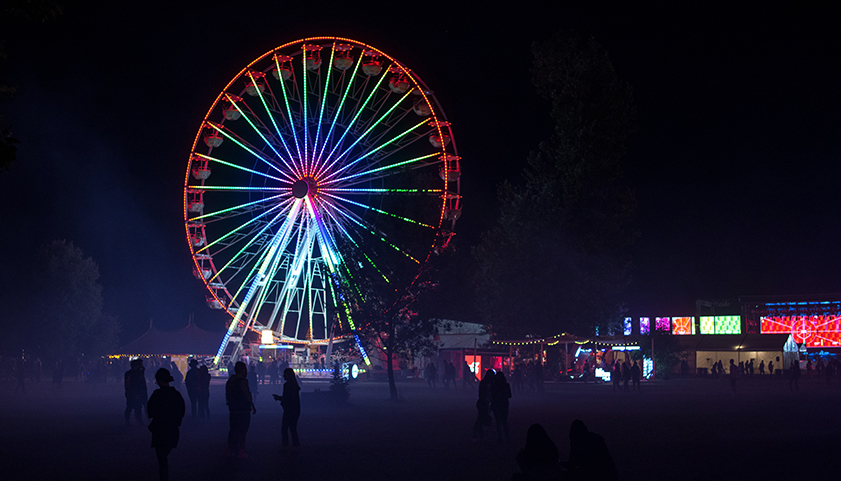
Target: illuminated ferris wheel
321,150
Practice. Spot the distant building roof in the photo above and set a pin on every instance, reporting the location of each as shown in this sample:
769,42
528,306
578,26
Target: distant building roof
190,340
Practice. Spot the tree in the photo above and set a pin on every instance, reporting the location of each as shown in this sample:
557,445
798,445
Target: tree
667,352
63,306
558,258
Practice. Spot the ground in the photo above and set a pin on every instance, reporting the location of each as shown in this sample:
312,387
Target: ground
678,429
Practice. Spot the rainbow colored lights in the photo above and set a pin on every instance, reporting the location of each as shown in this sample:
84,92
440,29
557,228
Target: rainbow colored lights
367,188
683,326
721,325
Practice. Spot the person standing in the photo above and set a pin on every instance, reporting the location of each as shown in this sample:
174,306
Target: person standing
291,403
500,394
482,405
191,381
134,381
240,407
431,374
795,375
203,392
635,377
762,367
166,409
616,375
734,375
626,375
771,368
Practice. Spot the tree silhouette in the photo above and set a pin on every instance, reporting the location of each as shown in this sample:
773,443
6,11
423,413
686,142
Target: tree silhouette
558,258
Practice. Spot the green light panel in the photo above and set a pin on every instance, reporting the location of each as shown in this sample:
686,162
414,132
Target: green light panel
728,325
707,325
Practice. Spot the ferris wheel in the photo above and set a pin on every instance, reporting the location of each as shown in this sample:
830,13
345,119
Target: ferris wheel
322,151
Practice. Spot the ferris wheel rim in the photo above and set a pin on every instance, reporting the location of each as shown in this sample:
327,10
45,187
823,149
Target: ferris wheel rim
437,116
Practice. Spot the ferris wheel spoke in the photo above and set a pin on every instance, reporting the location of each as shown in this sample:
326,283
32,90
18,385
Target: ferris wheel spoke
258,131
323,101
373,151
246,146
240,206
366,191
339,108
386,155
380,211
367,131
242,226
350,126
347,234
239,188
379,236
288,179
290,118
384,170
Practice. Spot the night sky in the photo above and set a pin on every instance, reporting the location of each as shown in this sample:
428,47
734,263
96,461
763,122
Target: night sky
735,163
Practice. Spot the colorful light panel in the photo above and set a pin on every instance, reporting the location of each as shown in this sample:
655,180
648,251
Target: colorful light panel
683,326
628,327
663,323
814,331
707,325
645,325
728,325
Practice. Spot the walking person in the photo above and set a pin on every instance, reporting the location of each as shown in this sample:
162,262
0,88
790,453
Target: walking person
762,367
203,392
166,409
291,403
482,405
500,394
626,376
191,381
134,381
240,408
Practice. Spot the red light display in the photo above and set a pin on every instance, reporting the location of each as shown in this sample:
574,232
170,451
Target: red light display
815,331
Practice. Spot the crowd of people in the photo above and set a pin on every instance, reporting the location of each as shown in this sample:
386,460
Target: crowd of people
166,407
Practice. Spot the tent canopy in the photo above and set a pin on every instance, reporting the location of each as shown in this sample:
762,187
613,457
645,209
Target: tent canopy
190,340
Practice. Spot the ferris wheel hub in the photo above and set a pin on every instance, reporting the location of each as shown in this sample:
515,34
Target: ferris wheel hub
300,188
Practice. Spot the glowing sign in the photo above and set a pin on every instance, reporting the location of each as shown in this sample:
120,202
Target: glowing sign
603,374
266,336
728,325
683,326
721,325
627,328
647,367
814,331
645,325
663,323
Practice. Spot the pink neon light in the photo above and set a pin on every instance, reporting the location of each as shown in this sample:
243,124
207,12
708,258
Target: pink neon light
815,331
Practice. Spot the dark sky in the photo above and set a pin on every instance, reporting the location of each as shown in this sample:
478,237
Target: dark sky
735,164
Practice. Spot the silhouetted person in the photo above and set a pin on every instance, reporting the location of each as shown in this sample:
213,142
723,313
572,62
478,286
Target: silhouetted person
500,394
762,368
431,374
134,381
252,380
794,376
616,375
539,458
272,371
626,376
240,408
635,376
809,369
291,402
191,381
166,409
467,376
589,457
734,375
771,368
828,371
203,392
482,405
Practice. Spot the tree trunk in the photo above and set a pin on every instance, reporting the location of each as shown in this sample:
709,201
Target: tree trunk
389,356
